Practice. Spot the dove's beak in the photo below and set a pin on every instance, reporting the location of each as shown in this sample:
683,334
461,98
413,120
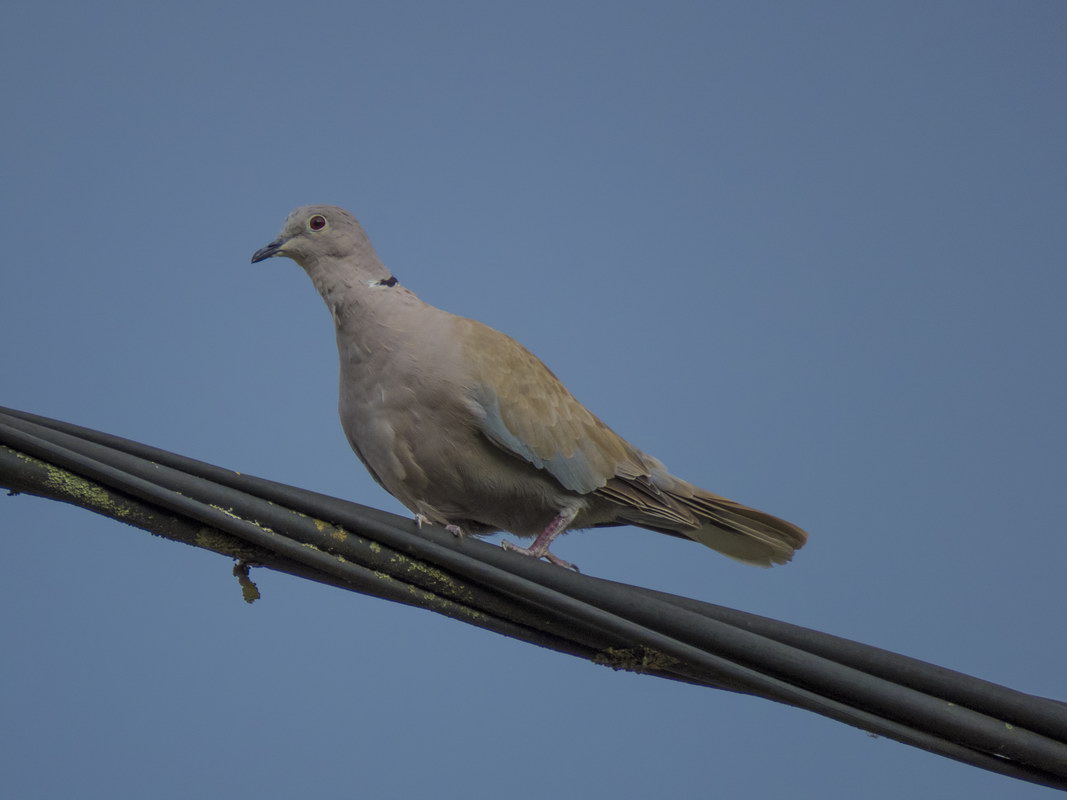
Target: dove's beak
272,249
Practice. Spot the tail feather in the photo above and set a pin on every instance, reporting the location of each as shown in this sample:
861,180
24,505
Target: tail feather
670,505
741,532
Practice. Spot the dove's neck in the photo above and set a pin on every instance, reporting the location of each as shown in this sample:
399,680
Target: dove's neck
366,301
348,284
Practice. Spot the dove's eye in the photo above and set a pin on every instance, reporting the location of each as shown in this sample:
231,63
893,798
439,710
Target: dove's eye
317,222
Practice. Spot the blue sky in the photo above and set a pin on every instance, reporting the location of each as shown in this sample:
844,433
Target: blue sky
812,256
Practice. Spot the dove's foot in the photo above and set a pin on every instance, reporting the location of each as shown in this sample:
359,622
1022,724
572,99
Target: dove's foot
539,549
455,530
539,553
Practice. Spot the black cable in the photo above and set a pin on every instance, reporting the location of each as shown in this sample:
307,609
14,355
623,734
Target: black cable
918,703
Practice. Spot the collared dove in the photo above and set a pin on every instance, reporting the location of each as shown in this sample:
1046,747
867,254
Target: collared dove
470,430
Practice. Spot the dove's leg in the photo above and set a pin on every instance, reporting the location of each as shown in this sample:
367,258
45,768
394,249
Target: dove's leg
539,549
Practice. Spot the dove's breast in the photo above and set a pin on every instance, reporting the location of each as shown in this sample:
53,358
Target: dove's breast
405,408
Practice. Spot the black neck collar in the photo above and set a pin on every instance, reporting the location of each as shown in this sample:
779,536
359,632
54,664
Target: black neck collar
390,281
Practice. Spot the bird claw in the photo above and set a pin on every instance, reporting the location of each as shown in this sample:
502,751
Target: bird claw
536,552
456,531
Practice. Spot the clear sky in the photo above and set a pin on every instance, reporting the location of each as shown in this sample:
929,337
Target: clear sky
811,255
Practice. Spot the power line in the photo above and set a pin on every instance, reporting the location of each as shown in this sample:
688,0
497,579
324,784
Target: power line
366,550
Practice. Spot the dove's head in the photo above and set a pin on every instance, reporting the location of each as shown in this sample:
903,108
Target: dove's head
316,235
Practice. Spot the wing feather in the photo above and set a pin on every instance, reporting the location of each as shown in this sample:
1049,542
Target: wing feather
523,408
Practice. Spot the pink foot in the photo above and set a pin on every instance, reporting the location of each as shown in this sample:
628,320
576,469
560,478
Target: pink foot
539,553
539,549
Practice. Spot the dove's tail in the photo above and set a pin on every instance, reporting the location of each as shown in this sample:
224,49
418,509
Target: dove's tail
735,530
738,531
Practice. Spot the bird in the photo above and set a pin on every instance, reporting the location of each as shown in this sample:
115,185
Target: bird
470,430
